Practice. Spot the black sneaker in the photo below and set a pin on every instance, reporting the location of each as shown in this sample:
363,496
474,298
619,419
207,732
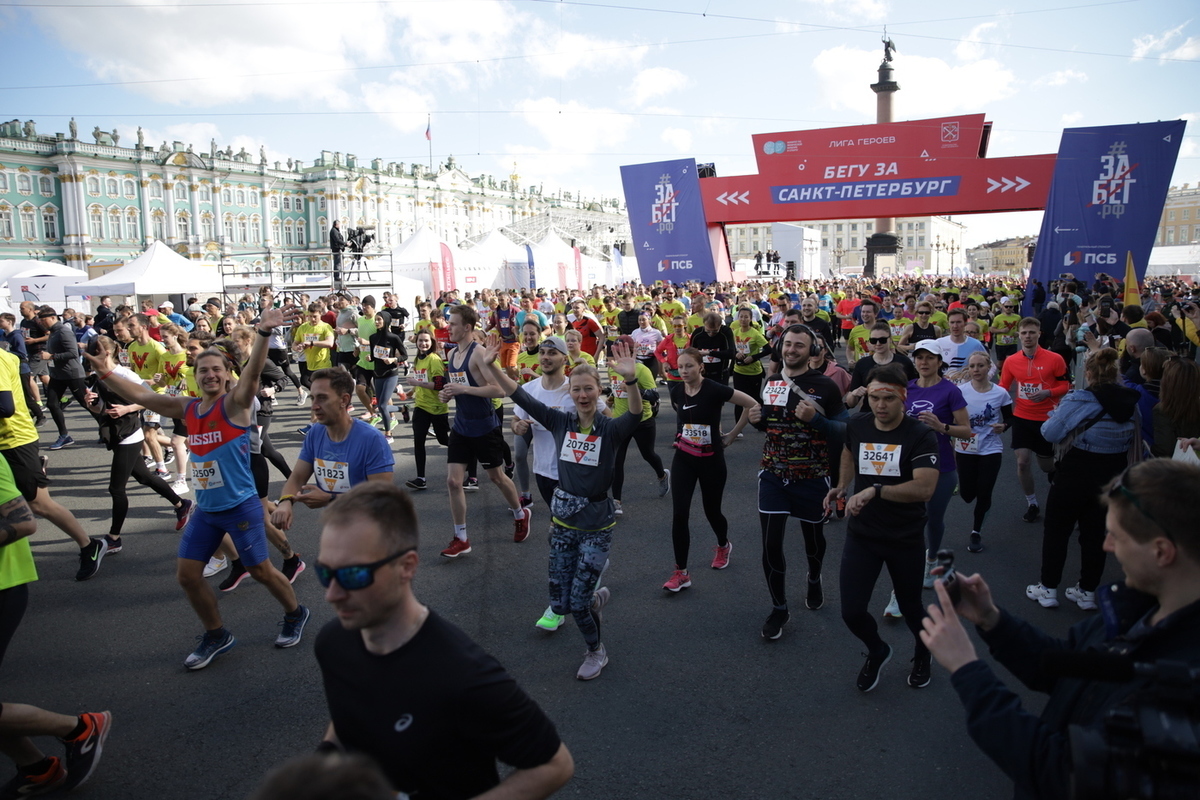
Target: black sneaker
114,544
210,647
169,456
293,627
417,483
90,558
39,421
816,594
237,574
976,543
292,567
34,780
919,677
868,676
773,628
509,469
404,413
1031,514
149,462
471,485
83,752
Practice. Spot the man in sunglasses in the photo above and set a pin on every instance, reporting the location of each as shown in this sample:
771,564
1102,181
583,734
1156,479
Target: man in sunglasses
405,686
1152,617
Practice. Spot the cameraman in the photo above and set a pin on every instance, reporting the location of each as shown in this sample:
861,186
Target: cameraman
1154,614
337,243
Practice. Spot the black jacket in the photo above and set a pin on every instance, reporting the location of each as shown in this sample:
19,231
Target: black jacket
1035,751
337,242
63,346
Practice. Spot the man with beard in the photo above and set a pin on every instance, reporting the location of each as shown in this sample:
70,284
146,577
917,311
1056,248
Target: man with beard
808,316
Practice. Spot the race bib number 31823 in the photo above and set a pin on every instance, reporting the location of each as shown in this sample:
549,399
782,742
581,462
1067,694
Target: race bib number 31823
876,460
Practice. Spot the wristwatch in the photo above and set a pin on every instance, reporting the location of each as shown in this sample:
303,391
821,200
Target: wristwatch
947,426
878,490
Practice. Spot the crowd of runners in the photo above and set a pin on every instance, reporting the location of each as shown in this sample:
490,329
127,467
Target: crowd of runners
875,405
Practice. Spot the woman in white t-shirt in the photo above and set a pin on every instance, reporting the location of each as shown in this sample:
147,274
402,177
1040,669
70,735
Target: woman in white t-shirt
990,410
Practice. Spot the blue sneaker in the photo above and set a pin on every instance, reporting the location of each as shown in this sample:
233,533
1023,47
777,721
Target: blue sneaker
62,442
304,429
211,646
293,628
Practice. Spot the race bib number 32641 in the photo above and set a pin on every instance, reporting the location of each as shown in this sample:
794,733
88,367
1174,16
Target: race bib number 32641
876,460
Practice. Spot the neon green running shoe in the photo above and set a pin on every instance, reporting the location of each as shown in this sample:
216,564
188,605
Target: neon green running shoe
551,621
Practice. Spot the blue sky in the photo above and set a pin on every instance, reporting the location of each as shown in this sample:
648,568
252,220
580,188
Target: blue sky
570,91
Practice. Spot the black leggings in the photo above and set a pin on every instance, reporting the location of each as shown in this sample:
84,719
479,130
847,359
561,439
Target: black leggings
1075,499
773,561
861,562
686,471
976,480
127,461
643,434
747,384
13,602
279,357
305,375
268,448
54,391
422,420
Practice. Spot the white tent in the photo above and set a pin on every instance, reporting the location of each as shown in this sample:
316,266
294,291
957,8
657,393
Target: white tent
39,281
420,259
506,261
554,264
158,271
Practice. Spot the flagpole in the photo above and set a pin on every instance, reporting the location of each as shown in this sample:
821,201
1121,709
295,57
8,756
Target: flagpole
429,138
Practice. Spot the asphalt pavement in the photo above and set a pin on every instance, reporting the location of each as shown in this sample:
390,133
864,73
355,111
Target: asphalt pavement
693,702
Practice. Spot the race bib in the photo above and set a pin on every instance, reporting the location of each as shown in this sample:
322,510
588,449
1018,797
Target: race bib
711,360
123,357
207,475
644,351
1027,390
580,448
743,348
1005,339
619,390
878,460
697,434
967,445
421,375
332,476
310,338
505,323
151,417
775,393
458,377
176,389
382,352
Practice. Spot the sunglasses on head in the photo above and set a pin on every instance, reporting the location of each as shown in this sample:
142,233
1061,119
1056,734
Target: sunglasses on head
1119,488
357,576
878,340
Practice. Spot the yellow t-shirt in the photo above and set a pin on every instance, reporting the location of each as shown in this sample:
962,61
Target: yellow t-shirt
146,360
315,357
425,370
16,559
620,392
1004,327
748,343
583,357
19,428
529,366
673,308
177,376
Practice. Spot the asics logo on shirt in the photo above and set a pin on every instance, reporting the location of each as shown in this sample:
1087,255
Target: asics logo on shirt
403,723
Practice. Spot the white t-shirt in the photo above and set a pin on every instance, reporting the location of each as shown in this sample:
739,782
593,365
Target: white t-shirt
545,455
132,377
984,410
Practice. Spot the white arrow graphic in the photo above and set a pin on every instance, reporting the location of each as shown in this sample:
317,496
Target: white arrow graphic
1004,184
725,198
1060,230
721,198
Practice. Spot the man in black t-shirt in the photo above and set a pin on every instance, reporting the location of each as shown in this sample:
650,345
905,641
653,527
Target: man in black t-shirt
888,472
403,684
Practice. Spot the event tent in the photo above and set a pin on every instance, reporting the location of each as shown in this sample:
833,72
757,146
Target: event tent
39,281
158,271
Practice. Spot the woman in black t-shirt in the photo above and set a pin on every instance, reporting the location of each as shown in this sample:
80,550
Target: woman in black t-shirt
387,351
700,458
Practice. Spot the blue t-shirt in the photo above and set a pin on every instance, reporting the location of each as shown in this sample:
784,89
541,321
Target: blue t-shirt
340,466
943,399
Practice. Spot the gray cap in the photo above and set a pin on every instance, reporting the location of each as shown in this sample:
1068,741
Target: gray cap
556,342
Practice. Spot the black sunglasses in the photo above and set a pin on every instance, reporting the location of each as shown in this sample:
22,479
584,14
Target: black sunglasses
924,313
882,340
357,576
1120,488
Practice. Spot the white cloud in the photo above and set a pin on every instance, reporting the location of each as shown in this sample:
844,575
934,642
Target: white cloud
678,138
573,134
929,86
1061,78
1163,45
971,48
401,106
858,10
656,82
1072,117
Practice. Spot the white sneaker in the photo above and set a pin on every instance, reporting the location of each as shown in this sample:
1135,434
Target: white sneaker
893,609
617,510
929,578
1085,600
215,565
1046,598
303,397
664,483
180,486
593,662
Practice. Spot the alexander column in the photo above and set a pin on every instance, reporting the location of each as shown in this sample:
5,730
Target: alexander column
883,241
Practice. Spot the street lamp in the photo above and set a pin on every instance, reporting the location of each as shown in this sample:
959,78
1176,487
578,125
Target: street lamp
838,252
952,248
938,247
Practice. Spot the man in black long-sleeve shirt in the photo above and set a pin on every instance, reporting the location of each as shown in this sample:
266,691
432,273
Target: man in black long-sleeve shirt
627,317
66,371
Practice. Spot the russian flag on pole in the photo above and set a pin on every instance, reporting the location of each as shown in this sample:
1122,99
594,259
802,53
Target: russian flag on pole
428,135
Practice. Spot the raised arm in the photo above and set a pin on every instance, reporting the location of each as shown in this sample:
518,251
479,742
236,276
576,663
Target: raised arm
243,394
136,393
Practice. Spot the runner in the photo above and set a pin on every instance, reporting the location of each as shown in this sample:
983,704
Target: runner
218,435
1004,327
528,368
387,352
800,406
476,432
427,379
583,516
920,330
888,472
66,371
644,434
880,352
173,380
715,341
700,459
990,411
750,348
647,338
145,357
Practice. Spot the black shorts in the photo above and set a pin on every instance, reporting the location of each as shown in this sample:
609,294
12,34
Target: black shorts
803,499
347,360
27,470
488,449
178,428
364,376
1027,435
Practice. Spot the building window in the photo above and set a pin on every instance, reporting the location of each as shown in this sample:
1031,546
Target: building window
3,182
129,187
183,226
24,183
824,243
256,229
46,186
111,187
1171,215
226,197
853,226
155,190
93,187
287,203
288,233
321,203
97,223
870,227
910,241
854,241
132,228
241,197
254,198
1170,236
242,230
1185,213
114,223
838,228
301,233
299,204
205,193
227,227
206,228
50,224
160,226
920,226
28,223
6,222
275,231
920,241
181,191
274,202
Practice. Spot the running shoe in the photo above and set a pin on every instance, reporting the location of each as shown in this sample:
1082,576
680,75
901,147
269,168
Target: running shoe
1046,598
39,421
304,429
293,627
521,526
303,399
976,543
1085,600
215,565
550,621
893,609
292,567
169,456
919,677
471,485
458,547
600,599
83,752
509,469
404,414
375,419
387,437
816,594
237,574
1031,514
62,442
617,510
527,500
114,544
417,483
664,483
163,473
721,555
30,781
927,582
149,462
593,662
868,676
212,644
180,486
90,558
679,580
772,629
183,514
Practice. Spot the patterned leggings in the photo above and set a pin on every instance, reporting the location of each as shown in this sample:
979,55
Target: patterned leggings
576,560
